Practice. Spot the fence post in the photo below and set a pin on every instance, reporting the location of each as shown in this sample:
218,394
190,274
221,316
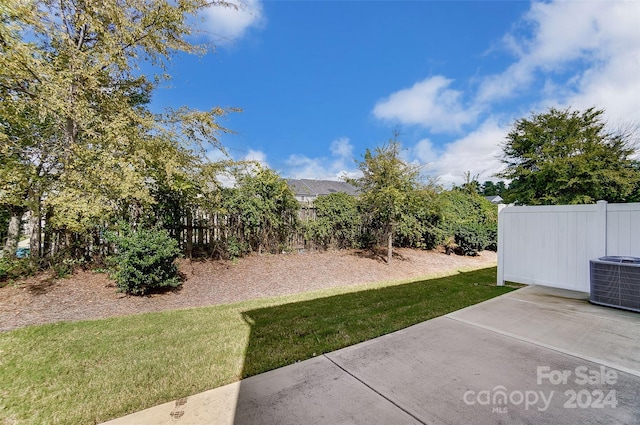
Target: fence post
501,245
189,233
602,228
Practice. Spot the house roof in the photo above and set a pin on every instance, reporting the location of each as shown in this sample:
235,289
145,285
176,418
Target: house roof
495,199
309,187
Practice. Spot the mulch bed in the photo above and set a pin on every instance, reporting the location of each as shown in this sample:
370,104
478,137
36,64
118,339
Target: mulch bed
90,295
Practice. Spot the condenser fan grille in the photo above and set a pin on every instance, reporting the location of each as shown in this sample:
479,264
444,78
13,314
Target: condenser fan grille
615,282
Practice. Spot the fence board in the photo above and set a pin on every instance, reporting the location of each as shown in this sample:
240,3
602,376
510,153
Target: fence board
200,231
547,245
552,245
623,229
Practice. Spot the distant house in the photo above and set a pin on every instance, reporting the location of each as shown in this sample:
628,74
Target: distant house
495,199
307,190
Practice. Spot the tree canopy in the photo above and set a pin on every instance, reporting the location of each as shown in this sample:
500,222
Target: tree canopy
568,157
490,188
386,185
81,152
78,141
265,209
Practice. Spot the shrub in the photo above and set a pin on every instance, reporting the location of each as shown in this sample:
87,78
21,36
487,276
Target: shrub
236,248
263,209
467,218
415,227
368,239
144,260
471,238
64,266
14,268
337,223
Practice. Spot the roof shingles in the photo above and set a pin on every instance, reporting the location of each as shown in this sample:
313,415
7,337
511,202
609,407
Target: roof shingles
309,187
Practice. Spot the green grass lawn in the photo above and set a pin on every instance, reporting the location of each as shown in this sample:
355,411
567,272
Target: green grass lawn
92,371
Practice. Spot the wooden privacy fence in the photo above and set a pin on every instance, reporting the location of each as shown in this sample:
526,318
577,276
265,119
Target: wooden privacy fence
203,232
552,245
198,232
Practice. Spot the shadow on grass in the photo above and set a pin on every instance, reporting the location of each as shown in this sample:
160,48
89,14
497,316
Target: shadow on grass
284,334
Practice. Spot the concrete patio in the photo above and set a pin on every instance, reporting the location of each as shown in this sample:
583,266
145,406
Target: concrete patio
535,355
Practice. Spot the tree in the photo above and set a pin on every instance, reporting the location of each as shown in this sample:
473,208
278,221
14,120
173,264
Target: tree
490,188
264,208
386,185
23,167
471,183
567,157
74,125
467,222
5,217
337,221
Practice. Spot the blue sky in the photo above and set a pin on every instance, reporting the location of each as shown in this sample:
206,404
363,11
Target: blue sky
320,82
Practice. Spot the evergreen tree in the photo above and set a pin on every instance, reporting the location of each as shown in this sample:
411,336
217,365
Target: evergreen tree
567,157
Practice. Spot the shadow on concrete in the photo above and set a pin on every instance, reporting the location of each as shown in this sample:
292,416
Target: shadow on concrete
532,356
284,334
460,368
291,333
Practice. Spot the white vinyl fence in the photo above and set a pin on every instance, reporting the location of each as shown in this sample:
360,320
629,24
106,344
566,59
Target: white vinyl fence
552,245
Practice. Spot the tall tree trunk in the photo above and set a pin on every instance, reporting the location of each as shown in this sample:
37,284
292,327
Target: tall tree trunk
46,239
135,213
200,224
35,238
13,232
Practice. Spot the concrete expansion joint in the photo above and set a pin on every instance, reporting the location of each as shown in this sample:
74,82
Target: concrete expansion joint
547,346
590,314
374,390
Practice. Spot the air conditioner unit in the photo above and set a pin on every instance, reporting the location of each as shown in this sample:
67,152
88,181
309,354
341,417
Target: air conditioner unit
615,282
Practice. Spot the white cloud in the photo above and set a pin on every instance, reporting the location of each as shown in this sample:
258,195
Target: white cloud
226,179
256,156
216,155
614,86
229,23
576,54
337,166
477,153
516,77
589,50
342,148
425,152
429,103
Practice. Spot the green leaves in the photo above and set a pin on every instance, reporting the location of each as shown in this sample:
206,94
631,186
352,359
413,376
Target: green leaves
567,157
468,219
144,260
77,139
386,184
338,221
264,208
